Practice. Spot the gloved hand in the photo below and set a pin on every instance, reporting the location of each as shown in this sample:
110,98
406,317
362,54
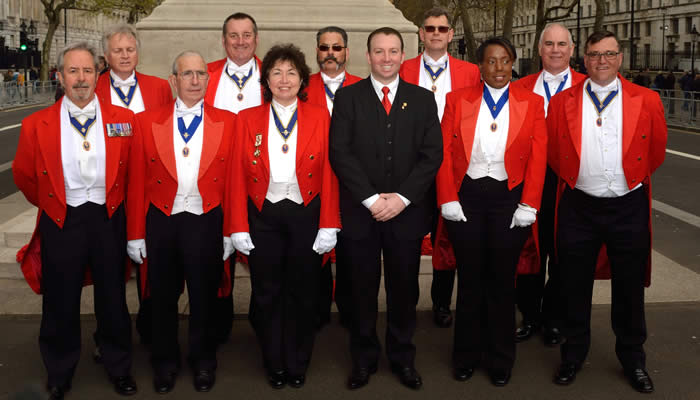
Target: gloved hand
326,238
523,216
228,247
136,249
242,242
452,211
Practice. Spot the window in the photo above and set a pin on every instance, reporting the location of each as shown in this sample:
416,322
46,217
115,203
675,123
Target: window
590,13
686,49
647,28
636,32
627,5
688,24
617,5
674,26
624,31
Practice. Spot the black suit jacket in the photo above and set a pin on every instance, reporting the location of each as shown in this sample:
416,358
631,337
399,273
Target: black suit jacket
371,152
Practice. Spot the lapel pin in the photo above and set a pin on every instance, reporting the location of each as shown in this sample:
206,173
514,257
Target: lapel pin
258,139
256,153
403,106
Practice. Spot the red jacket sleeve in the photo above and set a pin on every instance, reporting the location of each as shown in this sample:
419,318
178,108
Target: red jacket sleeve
330,207
136,191
446,191
236,192
537,163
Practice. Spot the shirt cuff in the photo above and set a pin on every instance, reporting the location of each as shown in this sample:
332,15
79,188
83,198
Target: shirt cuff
406,201
368,202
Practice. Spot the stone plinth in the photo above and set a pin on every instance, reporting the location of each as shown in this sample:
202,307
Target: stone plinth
178,25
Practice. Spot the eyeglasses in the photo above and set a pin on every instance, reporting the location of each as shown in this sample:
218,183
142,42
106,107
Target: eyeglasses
441,29
609,55
335,47
189,75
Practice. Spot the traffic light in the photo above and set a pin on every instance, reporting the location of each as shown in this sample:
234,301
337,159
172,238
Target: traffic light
462,46
23,42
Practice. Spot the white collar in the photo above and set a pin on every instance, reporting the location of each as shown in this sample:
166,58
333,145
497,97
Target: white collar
496,93
284,109
393,85
596,88
129,81
440,62
338,79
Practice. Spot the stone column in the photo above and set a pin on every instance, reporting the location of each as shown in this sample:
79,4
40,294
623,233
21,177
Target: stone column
178,25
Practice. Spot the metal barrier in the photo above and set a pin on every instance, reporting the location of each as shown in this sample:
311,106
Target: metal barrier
31,92
681,108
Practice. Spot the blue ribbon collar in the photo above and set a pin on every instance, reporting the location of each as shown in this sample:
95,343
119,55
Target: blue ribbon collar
495,108
559,89
126,99
434,75
330,94
600,107
238,81
187,132
284,130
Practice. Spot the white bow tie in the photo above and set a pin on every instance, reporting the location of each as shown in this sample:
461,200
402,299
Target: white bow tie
549,78
337,79
88,112
435,64
182,112
129,82
604,89
237,70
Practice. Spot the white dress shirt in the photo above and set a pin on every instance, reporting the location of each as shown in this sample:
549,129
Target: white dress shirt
443,83
553,82
227,93
187,198
393,87
83,171
283,174
489,148
136,105
333,85
600,173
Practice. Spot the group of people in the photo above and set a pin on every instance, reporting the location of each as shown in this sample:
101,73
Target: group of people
263,158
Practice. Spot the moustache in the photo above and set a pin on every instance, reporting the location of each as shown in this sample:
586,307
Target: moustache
81,86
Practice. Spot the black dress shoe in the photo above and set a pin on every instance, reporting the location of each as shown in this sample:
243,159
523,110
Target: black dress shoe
57,392
296,381
463,374
125,385
551,336
97,356
408,376
277,379
526,330
164,383
204,380
640,380
360,376
566,374
499,377
442,316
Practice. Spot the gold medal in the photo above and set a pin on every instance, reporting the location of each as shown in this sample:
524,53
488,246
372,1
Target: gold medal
494,126
86,145
240,97
599,122
185,151
285,148
434,88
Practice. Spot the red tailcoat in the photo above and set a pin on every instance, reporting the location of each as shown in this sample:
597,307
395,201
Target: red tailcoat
215,69
462,73
525,154
316,91
530,257
154,91
644,136
153,171
38,171
250,174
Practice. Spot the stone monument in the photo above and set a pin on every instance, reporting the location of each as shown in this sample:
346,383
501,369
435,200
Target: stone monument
178,25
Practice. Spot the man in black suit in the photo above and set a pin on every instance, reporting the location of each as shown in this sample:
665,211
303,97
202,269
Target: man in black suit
386,148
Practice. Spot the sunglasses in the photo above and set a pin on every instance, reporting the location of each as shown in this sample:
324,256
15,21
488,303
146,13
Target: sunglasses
335,47
441,29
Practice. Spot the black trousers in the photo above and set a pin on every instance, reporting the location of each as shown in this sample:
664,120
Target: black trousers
185,247
585,223
443,280
541,302
284,272
325,294
89,239
363,261
487,253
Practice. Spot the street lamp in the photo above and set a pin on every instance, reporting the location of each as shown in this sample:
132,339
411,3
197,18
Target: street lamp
663,28
694,39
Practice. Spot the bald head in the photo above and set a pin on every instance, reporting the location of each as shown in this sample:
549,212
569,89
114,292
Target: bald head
190,77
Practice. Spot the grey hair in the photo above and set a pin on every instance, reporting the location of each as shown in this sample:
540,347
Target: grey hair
77,46
552,25
185,53
121,29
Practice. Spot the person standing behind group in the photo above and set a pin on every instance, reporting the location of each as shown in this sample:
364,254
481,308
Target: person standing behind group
332,55
439,72
71,163
124,87
176,190
234,85
386,148
604,159
489,188
283,201
542,305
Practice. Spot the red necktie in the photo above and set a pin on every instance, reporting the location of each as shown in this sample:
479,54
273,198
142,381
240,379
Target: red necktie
385,101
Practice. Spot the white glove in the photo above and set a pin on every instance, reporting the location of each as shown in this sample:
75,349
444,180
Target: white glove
452,211
228,247
242,242
326,239
136,249
523,216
